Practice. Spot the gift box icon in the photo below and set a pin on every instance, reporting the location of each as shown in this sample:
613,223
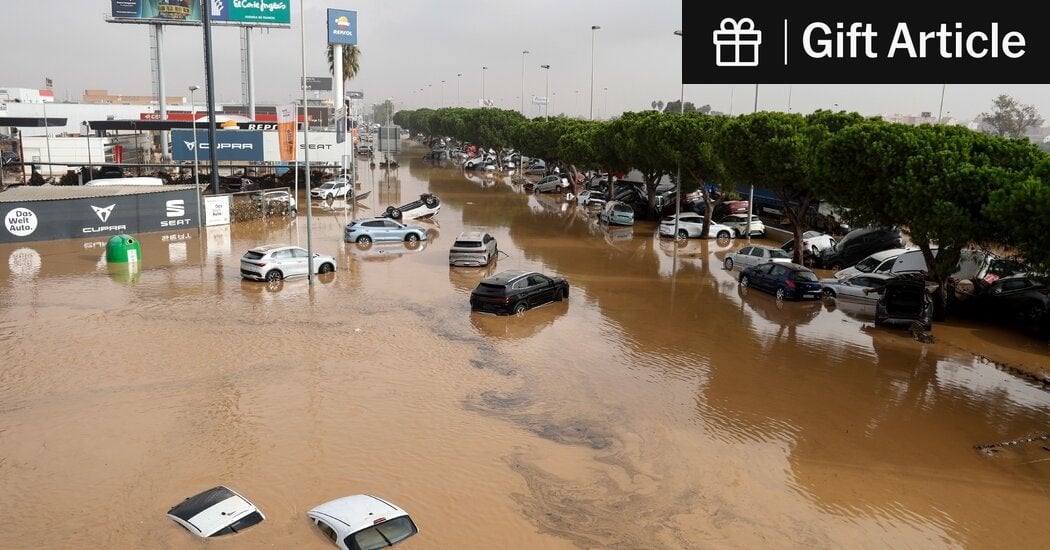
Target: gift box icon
736,43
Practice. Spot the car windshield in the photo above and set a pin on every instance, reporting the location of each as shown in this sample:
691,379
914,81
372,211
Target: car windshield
778,253
867,265
328,185
383,535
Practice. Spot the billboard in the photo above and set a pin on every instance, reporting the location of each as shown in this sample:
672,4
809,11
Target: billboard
286,122
246,13
342,26
319,83
232,145
98,216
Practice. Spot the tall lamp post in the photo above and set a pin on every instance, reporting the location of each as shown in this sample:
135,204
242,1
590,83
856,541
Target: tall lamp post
483,69
459,88
442,93
196,156
546,93
605,109
523,53
593,28
678,193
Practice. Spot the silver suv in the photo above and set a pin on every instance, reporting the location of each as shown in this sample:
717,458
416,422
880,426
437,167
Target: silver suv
276,262
472,249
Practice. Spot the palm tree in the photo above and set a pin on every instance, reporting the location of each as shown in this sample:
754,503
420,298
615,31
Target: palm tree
351,61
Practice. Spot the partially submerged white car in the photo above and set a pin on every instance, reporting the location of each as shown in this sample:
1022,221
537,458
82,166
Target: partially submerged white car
426,207
334,189
215,512
363,522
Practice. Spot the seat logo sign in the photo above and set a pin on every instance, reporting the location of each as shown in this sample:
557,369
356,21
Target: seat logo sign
176,208
103,212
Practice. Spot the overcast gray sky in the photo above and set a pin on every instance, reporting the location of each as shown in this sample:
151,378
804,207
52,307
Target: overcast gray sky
409,45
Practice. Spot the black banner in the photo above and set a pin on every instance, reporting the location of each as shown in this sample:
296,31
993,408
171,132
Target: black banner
97,217
863,43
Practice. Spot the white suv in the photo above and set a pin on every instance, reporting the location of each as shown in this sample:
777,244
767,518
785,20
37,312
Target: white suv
472,249
331,189
277,261
739,224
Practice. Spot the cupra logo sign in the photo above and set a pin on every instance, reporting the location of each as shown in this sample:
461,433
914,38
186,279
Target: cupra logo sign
103,212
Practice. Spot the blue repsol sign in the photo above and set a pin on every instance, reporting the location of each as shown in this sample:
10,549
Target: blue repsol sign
97,216
230,145
342,26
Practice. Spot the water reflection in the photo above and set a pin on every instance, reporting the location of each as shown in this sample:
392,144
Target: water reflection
522,326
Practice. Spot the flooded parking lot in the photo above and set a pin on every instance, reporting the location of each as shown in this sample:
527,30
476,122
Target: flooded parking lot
659,407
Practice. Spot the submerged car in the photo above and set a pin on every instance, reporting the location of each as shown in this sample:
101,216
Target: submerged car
216,512
617,213
853,288
363,522
813,242
786,280
276,262
691,225
554,183
904,300
332,189
472,249
754,255
1021,298
859,244
516,291
426,207
879,262
274,202
366,230
739,224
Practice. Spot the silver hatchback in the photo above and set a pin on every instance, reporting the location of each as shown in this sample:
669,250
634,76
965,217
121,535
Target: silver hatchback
472,249
277,262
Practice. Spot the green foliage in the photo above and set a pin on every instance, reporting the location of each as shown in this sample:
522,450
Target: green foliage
1021,208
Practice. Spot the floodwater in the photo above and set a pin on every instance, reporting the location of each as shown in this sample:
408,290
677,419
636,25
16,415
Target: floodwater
659,407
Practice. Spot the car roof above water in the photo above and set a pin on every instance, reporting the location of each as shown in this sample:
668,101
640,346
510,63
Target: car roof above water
504,277
268,248
471,236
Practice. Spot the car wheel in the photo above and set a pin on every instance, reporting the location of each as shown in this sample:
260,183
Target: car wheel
325,268
396,213
520,308
364,239
828,293
565,293
411,238
683,234
728,264
723,235
781,294
329,199
744,282
274,275
1035,311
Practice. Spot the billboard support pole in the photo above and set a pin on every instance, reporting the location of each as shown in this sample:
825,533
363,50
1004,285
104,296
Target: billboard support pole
250,69
209,75
161,90
306,150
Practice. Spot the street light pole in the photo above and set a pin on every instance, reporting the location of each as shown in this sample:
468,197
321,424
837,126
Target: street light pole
442,93
546,93
678,193
483,69
593,28
306,151
941,109
523,53
196,157
605,109
459,88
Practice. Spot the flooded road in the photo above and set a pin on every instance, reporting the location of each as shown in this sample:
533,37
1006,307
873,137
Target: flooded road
659,407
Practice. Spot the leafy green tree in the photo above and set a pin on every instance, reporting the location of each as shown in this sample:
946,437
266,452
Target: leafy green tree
1009,118
1021,208
772,151
351,61
934,180
699,157
645,141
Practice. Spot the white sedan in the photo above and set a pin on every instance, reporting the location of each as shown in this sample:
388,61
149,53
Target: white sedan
813,242
754,255
739,224
691,225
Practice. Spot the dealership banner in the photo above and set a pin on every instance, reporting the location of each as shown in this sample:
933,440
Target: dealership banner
98,216
891,42
323,147
233,12
287,116
342,26
241,145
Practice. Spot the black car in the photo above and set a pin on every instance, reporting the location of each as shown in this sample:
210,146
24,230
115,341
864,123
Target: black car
786,281
904,300
1018,298
516,291
109,171
857,245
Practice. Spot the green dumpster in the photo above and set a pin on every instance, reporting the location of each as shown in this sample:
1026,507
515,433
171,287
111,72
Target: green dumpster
123,249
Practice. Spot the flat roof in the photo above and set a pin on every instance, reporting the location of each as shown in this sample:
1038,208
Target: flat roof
28,193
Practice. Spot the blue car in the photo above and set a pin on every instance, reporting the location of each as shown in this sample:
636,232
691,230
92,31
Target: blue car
366,230
787,281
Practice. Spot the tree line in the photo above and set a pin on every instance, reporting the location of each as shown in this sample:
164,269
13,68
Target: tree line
947,186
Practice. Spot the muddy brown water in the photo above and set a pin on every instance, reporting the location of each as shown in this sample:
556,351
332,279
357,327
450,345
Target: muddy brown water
659,407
